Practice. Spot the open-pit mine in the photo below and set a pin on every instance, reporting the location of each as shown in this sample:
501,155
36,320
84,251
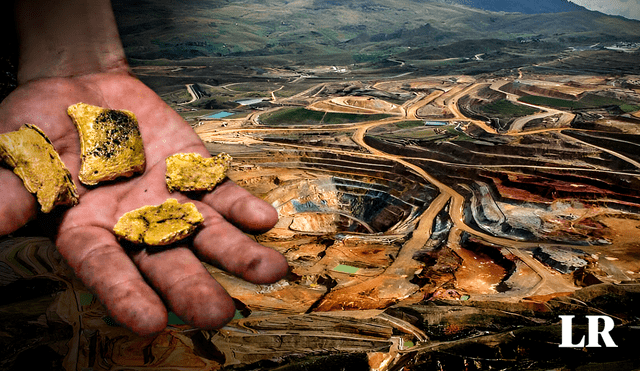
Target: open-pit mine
441,222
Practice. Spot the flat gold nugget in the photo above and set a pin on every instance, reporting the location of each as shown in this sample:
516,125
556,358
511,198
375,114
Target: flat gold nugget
159,225
192,172
32,157
110,143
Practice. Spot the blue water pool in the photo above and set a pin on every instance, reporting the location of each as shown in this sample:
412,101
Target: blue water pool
218,115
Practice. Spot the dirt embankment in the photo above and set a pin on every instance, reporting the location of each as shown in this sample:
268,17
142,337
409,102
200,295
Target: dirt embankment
521,89
471,106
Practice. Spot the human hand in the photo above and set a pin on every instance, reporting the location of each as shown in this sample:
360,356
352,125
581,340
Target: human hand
138,287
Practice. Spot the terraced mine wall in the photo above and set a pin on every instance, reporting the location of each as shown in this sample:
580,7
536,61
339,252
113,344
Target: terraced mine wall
482,211
627,144
380,194
524,89
590,121
471,106
467,106
529,175
530,152
548,186
483,96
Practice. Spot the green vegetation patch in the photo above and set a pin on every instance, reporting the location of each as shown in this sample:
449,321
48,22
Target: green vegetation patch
303,116
368,58
550,102
629,107
592,100
506,108
346,269
409,124
425,134
588,101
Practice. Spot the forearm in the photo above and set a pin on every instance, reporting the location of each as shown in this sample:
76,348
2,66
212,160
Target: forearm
63,38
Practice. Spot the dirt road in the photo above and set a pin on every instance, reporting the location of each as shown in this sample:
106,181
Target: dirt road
397,275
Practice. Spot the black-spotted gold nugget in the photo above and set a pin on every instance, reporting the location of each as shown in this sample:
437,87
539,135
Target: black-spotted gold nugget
110,143
159,225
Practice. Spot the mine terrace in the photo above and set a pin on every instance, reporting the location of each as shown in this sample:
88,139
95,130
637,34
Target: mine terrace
452,178
427,219
394,192
491,171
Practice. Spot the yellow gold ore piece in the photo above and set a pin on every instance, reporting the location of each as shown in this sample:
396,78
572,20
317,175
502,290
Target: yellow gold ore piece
192,172
159,225
32,157
110,143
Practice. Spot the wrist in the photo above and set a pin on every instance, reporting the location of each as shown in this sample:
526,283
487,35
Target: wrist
65,38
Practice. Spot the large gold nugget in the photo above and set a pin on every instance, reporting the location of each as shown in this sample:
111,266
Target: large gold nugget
32,157
159,225
192,172
110,143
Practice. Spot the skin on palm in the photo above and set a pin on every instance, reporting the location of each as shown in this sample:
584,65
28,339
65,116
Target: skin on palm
137,287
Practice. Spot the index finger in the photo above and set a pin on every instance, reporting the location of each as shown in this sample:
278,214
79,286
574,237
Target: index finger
241,208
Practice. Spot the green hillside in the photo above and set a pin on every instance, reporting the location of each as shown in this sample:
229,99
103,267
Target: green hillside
348,31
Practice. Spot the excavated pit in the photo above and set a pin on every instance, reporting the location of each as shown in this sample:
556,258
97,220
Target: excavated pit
319,193
332,204
343,220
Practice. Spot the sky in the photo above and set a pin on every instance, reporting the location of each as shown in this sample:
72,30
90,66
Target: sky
625,8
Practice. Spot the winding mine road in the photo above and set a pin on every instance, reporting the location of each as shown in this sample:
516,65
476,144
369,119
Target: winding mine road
548,282
397,275
194,95
518,124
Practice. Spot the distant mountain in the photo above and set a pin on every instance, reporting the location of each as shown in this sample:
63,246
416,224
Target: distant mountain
348,31
521,6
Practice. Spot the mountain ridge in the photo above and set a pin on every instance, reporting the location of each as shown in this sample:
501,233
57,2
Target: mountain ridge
347,30
521,6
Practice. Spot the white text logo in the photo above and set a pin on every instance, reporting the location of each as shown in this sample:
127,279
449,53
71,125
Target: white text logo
594,332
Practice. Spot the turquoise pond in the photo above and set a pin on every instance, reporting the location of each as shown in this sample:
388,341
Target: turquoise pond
218,115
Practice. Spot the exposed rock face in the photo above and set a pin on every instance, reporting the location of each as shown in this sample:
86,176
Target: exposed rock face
564,261
485,210
333,204
399,232
315,223
490,215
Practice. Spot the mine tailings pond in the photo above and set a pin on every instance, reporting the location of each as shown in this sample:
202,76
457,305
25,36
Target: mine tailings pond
435,123
219,115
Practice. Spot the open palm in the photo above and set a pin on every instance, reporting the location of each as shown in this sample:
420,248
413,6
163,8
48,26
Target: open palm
136,286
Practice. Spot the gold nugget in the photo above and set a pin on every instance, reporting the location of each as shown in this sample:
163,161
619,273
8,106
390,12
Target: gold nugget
32,157
159,225
110,143
192,172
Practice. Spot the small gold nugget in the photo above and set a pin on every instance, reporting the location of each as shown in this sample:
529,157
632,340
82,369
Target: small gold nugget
192,172
32,157
159,225
110,143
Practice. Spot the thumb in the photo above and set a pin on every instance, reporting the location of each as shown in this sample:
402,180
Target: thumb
17,205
